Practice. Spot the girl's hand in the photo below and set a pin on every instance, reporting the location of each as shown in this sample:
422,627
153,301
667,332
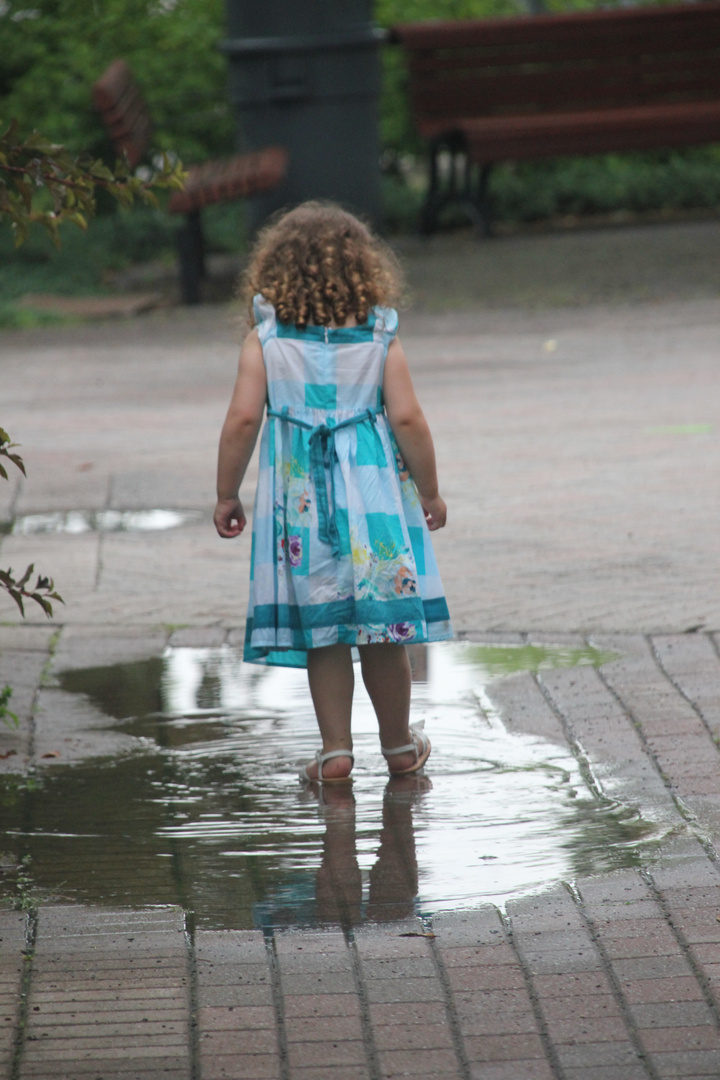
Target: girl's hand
435,512
229,518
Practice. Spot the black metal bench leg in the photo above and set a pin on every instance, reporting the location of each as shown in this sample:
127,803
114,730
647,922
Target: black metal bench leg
191,256
484,204
433,199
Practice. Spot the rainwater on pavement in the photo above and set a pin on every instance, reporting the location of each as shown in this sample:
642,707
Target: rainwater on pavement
206,809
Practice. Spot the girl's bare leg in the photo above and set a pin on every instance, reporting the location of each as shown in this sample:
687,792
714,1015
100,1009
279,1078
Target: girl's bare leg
386,674
331,678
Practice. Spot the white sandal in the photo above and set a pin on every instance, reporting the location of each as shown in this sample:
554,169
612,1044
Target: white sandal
420,746
321,758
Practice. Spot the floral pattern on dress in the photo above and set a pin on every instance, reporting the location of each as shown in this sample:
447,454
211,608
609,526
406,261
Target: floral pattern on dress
396,633
381,574
295,550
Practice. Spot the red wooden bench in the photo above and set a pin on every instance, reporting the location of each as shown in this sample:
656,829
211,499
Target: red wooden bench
127,121
484,91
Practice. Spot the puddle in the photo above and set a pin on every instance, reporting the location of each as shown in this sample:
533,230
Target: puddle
83,521
209,813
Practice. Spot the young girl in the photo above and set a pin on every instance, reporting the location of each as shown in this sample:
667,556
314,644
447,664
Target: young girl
347,491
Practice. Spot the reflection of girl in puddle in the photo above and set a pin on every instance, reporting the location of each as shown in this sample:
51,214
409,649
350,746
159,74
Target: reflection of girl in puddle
347,489
394,876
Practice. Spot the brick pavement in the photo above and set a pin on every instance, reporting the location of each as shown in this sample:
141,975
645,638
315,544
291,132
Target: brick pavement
577,448
613,978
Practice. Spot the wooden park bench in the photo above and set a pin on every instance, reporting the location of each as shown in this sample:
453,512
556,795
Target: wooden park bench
485,91
127,121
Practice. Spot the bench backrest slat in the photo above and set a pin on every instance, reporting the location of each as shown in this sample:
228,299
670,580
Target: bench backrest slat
124,111
473,95
587,28
589,60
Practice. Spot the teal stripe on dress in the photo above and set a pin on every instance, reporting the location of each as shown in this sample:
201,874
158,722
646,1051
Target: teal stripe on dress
436,610
336,335
338,613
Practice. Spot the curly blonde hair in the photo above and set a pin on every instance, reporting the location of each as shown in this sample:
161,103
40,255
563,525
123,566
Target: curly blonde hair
319,264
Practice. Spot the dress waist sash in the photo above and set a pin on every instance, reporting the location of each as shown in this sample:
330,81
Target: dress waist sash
323,455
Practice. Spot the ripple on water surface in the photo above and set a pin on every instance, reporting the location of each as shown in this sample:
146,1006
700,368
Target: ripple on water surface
208,811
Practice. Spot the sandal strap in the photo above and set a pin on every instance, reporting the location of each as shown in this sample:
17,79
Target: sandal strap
399,750
416,746
322,758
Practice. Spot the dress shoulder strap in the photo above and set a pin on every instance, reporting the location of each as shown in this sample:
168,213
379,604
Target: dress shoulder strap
386,325
265,318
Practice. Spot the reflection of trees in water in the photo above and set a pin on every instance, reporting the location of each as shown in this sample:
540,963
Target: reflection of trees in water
120,690
95,834
602,835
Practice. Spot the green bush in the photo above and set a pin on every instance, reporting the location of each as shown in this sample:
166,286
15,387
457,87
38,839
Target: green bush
54,50
637,182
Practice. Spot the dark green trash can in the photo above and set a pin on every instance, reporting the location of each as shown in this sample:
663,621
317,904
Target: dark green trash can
305,74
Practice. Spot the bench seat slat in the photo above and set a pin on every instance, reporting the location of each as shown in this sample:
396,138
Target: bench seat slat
497,138
495,93
222,181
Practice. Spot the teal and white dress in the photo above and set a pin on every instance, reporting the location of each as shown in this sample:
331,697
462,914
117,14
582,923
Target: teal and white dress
340,548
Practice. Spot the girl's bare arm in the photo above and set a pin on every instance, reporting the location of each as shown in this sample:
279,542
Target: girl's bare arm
412,434
239,435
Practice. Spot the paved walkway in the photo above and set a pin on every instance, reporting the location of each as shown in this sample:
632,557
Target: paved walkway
578,451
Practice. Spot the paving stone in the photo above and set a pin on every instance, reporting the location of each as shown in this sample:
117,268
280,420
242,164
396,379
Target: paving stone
610,1072
500,977
149,1068
617,1055
248,1067
338,1053
54,1028
622,948
575,982
320,1029
504,1047
693,1063
668,1014
391,990
299,1005
292,943
587,1006
523,708
692,663
556,914
56,1051
318,1072
651,967
412,968
316,982
467,929
477,956
657,1040
404,1014
533,1069
230,946
623,886
586,1029
646,991
262,1041
240,1018
372,946
417,1037
254,994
